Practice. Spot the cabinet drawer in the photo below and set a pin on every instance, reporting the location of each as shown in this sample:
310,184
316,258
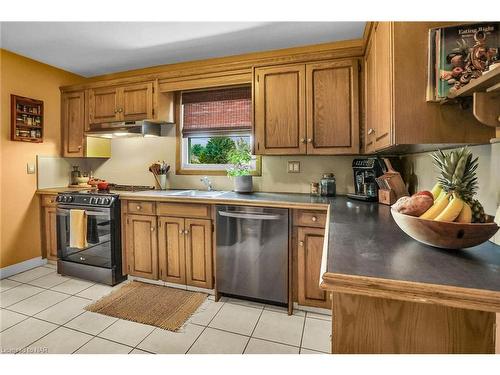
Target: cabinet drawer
139,207
49,200
309,218
184,210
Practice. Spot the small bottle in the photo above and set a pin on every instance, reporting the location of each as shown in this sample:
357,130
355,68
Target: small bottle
315,188
327,185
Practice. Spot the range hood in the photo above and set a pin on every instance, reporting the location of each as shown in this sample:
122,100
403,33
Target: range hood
142,128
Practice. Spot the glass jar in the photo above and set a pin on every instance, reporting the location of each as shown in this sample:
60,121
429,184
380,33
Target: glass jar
314,188
327,185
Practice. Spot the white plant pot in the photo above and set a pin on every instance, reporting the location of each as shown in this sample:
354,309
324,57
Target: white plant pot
243,184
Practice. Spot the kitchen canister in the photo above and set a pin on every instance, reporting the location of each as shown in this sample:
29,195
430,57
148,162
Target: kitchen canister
328,185
162,180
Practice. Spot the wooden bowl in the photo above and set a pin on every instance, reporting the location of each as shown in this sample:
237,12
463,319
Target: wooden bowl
443,234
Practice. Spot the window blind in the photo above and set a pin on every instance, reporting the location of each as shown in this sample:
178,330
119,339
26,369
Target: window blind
215,111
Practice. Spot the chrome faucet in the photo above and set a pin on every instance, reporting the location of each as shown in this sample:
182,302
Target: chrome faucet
207,183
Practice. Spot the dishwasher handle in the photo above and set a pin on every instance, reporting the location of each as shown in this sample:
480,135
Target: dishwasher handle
246,215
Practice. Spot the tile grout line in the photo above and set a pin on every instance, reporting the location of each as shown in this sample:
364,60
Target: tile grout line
253,330
303,329
205,328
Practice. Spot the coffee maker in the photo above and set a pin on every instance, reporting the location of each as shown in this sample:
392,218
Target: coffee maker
365,172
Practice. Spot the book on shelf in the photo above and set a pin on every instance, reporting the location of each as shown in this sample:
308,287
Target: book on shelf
460,54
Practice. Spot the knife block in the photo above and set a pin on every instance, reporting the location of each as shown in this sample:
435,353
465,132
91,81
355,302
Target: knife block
387,197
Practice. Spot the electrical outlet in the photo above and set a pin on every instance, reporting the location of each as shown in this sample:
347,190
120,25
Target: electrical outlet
293,166
30,168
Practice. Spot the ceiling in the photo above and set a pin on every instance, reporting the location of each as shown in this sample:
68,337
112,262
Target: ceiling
95,48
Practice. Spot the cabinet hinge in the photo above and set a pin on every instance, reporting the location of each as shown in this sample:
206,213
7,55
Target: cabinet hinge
359,67
128,221
153,111
213,228
153,89
129,268
257,78
258,145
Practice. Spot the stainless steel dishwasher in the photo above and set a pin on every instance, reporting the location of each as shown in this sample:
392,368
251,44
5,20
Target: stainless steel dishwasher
252,252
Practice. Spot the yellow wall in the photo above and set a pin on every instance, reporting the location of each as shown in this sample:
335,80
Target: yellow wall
19,211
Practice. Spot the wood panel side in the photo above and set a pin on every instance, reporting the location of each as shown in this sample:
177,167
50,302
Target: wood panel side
368,325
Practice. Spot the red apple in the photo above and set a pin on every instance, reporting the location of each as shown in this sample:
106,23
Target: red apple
424,192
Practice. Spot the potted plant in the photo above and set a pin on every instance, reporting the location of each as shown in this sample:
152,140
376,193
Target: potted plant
240,158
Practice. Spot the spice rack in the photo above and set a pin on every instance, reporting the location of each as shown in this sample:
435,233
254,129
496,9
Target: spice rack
26,119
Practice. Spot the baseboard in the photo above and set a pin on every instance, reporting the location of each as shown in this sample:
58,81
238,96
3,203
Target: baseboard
317,310
21,267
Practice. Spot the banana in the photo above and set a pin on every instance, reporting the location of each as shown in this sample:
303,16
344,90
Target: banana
465,215
436,190
452,210
439,205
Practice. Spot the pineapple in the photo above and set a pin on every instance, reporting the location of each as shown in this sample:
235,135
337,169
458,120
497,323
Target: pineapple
478,215
458,172
458,176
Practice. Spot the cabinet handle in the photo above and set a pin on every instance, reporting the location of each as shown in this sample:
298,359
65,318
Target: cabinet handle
301,243
152,229
120,110
303,140
314,218
79,147
186,232
309,140
138,208
181,231
371,131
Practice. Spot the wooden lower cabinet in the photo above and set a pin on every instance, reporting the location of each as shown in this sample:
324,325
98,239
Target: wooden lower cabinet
172,259
185,251
142,246
50,232
309,253
199,253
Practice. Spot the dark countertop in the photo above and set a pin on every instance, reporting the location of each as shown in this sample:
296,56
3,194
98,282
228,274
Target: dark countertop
364,240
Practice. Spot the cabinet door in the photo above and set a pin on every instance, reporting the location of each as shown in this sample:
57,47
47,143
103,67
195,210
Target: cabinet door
198,235
50,232
310,249
73,123
383,78
172,260
142,248
136,102
370,96
279,112
104,105
332,108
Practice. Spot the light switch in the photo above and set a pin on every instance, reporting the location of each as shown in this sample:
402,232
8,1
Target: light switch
293,166
30,168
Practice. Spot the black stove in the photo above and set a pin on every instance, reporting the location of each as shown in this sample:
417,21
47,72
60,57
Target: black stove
89,236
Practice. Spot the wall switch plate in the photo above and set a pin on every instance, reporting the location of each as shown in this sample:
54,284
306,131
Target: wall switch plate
293,166
30,168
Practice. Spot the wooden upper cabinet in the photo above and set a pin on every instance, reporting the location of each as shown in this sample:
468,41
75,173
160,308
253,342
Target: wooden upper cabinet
73,123
141,246
279,110
137,102
121,103
332,107
171,249
198,234
104,105
309,253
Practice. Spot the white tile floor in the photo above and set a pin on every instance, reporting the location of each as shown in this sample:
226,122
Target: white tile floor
43,312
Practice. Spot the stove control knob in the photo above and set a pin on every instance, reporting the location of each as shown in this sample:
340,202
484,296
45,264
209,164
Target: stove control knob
106,200
58,199
92,200
64,198
102,201
70,199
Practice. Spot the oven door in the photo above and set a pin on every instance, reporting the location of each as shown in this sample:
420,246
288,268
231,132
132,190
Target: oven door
99,235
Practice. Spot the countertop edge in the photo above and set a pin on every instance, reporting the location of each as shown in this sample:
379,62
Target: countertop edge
452,296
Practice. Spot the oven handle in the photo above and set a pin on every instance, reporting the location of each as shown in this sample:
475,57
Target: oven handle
245,215
89,213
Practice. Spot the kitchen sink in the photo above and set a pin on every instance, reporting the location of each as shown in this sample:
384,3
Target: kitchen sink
198,193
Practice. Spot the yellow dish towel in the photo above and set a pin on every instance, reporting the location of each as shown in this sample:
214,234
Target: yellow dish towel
78,229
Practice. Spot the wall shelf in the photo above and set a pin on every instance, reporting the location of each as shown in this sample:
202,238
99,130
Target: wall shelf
26,116
485,92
